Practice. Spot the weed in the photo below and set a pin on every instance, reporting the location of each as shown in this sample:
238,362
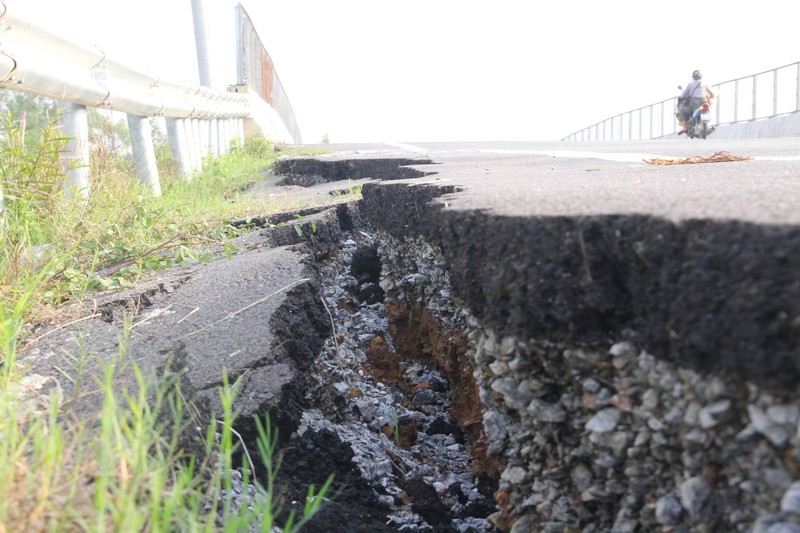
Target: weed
396,427
267,447
351,190
126,469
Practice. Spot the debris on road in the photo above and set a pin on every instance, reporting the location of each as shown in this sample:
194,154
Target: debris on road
718,157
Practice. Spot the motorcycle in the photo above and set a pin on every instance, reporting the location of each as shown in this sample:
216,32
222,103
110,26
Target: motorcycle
698,124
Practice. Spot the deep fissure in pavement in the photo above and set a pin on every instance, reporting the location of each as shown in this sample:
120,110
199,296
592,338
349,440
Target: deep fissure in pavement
391,409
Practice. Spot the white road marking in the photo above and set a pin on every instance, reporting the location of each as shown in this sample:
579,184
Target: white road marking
624,157
609,156
407,147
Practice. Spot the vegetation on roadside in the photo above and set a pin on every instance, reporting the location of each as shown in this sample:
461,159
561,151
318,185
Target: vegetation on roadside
127,470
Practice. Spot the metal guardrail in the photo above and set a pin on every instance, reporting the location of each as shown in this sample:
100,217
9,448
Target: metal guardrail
768,94
35,60
200,120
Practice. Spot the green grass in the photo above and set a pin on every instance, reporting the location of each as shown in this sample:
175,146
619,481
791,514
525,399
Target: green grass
352,190
126,469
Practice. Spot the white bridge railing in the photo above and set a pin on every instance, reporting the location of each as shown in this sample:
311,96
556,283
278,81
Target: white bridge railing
766,95
200,120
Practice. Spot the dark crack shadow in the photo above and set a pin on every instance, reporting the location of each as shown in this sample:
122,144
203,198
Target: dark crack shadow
308,172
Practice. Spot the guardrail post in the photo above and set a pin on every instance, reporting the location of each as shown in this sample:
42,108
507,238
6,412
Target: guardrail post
75,125
211,131
186,124
228,134
190,143
797,90
144,155
222,137
640,124
235,130
176,131
755,97
197,144
202,125
775,92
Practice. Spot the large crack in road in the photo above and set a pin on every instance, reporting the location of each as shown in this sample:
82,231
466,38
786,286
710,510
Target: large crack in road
596,415
463,371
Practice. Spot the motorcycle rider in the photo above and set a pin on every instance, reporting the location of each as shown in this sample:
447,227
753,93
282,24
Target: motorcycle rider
695,94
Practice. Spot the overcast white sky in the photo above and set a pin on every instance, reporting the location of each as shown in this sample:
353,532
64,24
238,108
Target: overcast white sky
452,70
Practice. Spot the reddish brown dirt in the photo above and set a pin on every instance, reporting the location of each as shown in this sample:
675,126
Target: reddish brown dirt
382,364
418,335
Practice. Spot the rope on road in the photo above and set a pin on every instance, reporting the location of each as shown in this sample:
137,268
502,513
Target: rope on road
719,157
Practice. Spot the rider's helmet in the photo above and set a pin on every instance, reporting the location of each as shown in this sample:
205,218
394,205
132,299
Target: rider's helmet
696,75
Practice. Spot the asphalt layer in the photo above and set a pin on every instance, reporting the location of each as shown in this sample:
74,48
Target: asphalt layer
698,263
257,316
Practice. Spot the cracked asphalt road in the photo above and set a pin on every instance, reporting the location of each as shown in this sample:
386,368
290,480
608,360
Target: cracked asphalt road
572,240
